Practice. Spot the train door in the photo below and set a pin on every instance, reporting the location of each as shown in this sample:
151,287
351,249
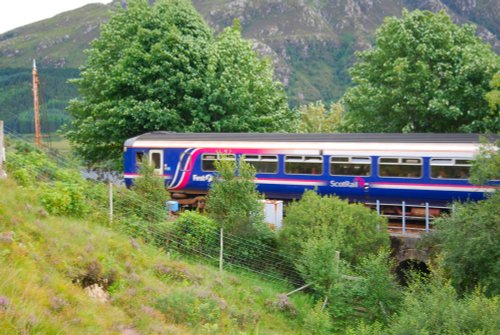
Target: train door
156,160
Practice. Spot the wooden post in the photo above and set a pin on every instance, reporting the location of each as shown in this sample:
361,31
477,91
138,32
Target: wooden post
337,259
221,248
299,289
110,202
324,303
2,153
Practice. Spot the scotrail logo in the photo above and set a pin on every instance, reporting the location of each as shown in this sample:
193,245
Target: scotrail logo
357,182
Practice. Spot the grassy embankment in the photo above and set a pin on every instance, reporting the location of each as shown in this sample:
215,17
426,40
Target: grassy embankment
46,260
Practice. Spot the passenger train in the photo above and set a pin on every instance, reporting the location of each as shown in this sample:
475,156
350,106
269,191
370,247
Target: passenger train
368,168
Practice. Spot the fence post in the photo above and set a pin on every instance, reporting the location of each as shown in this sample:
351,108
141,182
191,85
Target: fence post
221,248
337,259
2,153
110,202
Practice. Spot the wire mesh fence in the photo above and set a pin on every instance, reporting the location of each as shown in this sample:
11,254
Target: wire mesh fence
239,252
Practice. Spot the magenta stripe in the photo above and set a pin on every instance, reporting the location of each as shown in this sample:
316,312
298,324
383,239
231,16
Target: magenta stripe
228,151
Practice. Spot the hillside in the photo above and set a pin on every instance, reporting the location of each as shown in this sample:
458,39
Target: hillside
80,276
312,43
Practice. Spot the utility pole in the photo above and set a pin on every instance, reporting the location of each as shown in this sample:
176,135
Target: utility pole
36,105
2,153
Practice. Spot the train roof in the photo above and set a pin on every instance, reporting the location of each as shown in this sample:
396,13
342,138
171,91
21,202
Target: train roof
161,136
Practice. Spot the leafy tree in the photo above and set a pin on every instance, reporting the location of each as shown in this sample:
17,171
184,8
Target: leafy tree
159,68
377,291
425,74
233,200
318,264
315,118
356,230
317,321
468,237
143,206
469,240
434,308
233,203
486,165
493,97
242,94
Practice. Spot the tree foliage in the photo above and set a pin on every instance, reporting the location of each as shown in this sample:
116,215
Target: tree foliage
151,195
159,68
486,165
315,118
233,200
319,265
241,93
493,96
425,74
469,240
433,307
356,230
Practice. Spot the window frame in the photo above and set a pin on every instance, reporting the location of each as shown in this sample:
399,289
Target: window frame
139,158
152,162
259,158
218,157
453,163
304,161
350,162
400,162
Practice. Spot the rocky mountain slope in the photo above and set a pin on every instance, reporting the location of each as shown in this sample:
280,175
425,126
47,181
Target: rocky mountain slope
312,42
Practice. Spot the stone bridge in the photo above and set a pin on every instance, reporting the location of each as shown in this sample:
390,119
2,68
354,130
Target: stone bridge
408,255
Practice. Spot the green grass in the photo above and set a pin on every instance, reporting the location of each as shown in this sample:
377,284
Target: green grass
53,141
44,259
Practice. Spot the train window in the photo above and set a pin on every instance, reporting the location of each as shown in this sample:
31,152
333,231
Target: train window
400,167
263,163
208,160
350,166
450,168
156,160
138,158
312,165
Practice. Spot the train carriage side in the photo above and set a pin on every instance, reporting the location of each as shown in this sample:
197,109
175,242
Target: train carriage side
390,171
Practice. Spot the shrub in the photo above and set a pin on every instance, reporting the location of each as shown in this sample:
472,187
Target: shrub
469,240
196,233
233,200
148,196
22,176
434,308
190,306
64,199
317,321
377,290
356,229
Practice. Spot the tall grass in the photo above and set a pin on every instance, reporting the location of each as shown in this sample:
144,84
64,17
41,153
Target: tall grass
45,259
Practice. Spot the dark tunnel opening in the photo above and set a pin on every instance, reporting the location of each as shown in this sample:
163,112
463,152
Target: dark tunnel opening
405,269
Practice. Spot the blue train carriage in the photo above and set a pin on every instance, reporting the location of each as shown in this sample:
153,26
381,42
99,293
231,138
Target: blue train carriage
382,169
